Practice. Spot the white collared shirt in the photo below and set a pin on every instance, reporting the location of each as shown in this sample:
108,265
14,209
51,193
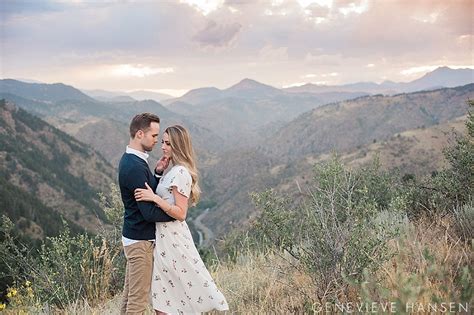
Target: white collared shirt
144,156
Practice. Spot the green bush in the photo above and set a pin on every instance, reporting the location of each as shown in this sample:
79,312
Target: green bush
338,229
450,188
68,267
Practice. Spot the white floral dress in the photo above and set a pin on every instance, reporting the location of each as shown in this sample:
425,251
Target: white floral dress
181,283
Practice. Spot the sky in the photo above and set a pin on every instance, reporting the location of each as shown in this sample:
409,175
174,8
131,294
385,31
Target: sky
174,46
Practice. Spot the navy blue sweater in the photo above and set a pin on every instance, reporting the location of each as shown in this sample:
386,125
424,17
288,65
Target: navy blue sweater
140,217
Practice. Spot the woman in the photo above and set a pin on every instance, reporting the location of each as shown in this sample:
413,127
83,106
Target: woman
181,283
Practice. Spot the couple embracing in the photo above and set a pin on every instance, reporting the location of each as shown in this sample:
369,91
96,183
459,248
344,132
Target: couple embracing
162,261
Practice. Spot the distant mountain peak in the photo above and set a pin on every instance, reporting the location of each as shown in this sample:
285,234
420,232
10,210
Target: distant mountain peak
199,91
444,77
443,70
250,84
309,84
248,81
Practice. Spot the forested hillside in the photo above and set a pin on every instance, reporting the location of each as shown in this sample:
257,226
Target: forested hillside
47,175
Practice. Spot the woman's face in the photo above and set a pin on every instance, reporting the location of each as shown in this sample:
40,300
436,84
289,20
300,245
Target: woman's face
166,146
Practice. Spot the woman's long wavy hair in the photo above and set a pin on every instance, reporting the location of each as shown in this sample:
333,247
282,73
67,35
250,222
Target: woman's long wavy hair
182,153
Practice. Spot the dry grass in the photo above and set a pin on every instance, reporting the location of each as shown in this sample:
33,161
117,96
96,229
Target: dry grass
428,266
429,260
265,283
255,284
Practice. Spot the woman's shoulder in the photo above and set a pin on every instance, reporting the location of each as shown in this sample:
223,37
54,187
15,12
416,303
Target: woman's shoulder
181,178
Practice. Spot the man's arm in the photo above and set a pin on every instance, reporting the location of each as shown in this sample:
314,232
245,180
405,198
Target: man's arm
152,213
149,210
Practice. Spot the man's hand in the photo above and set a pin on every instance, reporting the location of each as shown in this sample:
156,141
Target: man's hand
162,165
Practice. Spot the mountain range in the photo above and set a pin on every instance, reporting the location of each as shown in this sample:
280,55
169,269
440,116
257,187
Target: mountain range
257,107
104,125
139,95
440,77
345,127
252,136
348,124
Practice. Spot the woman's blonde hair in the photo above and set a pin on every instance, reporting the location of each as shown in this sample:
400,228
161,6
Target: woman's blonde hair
182,153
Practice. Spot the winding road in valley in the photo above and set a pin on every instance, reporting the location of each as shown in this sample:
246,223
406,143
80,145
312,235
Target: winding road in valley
205,234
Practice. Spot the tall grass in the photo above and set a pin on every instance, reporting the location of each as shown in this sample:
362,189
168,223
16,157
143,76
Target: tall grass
429,264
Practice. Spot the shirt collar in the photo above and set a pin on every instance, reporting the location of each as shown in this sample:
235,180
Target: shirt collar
142,155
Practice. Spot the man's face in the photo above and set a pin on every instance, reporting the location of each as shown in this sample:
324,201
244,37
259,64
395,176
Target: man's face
150,137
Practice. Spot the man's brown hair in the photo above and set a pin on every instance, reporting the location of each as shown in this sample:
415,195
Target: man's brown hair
142,122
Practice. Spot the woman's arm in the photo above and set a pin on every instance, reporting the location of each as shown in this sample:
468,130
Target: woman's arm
178,211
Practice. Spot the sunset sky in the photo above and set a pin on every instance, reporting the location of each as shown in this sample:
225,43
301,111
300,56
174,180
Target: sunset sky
174,46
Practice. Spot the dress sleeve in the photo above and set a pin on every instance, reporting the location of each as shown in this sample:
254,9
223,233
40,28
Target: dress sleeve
182,180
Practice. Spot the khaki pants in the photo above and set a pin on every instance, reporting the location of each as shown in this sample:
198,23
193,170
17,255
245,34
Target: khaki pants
136,292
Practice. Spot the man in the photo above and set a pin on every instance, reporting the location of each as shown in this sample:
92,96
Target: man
138,232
